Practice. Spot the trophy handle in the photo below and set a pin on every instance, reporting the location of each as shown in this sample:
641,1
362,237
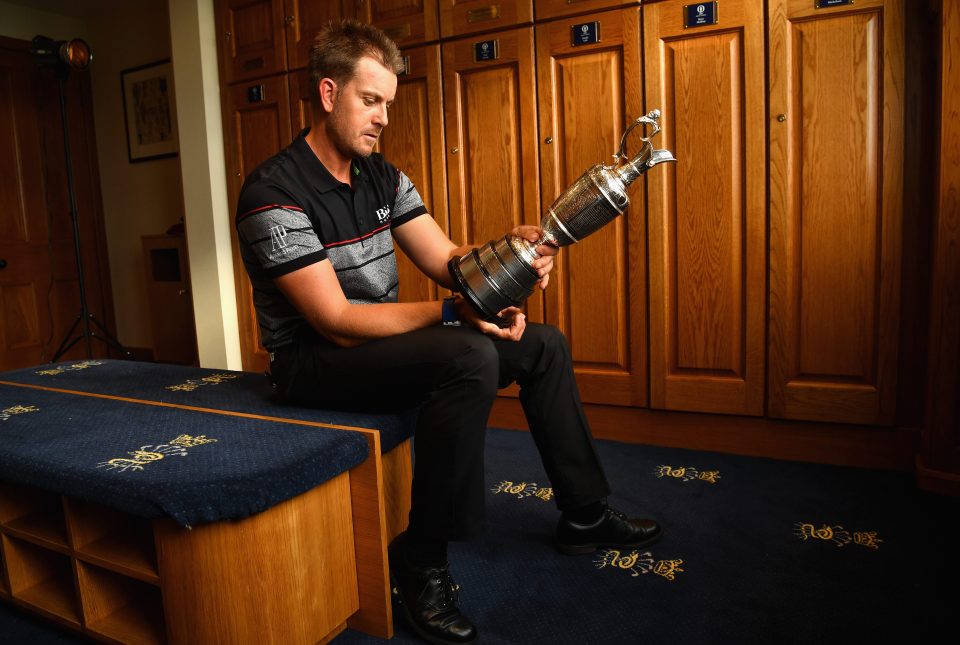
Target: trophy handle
652,118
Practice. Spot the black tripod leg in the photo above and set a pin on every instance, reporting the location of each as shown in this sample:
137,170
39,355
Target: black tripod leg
63,345
107,337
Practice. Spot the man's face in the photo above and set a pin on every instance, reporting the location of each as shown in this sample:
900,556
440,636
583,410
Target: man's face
360,109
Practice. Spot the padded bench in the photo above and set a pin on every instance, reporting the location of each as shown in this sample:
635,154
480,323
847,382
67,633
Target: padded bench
96,497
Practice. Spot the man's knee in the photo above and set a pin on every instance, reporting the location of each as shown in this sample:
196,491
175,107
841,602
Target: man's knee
549,338
471,356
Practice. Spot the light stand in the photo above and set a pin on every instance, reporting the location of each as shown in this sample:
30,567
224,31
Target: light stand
61,57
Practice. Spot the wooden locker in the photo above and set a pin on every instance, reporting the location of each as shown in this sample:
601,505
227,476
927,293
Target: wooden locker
406,22
302,20
251,38
256,126
836,183
413,142
491,137
707,212
462,17
588,95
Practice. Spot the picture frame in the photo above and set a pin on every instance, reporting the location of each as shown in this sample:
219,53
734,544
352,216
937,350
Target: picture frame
150,111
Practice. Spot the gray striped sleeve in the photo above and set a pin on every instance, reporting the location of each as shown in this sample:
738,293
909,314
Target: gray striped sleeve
408,199
281,240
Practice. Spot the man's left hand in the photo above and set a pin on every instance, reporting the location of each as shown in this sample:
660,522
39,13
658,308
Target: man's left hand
544,264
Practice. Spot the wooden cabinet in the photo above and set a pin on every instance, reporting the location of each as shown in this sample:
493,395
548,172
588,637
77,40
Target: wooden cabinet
257,126
836,175
587,96
171,304
462,17
707,213
303,18
759,275
124,579
549,9
406,22
491,139
251,38
413,142
87,567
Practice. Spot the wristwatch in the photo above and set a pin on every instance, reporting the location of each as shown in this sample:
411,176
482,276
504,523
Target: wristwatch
448,311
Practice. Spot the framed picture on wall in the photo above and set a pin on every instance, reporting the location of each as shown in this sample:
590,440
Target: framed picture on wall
150,112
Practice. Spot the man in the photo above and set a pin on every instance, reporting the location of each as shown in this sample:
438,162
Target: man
317,224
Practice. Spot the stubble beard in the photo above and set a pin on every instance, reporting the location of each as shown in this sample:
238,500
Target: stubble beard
338,132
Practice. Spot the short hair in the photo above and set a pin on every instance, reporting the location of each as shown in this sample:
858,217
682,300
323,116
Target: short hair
339,46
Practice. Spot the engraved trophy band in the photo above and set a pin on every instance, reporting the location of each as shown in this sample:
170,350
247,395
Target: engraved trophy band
499,274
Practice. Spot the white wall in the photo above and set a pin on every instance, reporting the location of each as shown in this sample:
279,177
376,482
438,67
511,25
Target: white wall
143,198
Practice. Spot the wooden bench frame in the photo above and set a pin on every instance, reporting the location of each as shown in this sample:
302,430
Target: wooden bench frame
265,578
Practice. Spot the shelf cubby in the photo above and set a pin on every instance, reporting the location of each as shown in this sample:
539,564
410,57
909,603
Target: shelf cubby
33,515
120,608
113,540
41,578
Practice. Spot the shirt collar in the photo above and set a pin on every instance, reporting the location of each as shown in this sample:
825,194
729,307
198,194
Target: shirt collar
323,180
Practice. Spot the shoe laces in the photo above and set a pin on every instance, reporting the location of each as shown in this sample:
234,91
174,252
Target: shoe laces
449,589
616,513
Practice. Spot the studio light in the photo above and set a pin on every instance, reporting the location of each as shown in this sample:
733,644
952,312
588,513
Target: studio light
62,57
71,54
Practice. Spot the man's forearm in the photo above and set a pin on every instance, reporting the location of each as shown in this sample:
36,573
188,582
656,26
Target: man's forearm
357,324
442,276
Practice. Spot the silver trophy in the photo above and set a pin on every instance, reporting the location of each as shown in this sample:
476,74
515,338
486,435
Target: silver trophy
499,274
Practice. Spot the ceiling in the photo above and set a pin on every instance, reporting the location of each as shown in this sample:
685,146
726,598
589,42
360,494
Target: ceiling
73,8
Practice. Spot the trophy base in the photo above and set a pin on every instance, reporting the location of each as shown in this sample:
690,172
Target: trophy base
495,276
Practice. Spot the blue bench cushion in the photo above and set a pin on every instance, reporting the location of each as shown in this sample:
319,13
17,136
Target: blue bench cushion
245,392
154,461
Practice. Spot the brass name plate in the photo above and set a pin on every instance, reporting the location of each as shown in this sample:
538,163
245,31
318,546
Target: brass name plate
484,13
398,32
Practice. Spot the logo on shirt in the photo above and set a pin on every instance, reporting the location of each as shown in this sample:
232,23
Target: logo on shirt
278,236
383,214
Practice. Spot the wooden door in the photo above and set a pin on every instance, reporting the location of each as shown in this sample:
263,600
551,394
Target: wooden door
491,138
251,38
550,9
707,213
588,94
39,289
836,147
406,22
302,20
413,142
257,126
462,17
171,304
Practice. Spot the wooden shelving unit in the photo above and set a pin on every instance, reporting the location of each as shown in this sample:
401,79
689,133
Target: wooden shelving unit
97,570
120,608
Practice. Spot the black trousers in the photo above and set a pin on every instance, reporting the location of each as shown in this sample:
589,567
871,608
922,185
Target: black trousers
453,374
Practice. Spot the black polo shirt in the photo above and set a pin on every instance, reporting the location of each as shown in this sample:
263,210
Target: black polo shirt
292,212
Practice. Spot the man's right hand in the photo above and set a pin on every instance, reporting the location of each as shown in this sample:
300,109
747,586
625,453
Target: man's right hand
469,316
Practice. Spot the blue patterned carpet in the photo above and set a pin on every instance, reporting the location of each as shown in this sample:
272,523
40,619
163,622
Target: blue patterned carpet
754,551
